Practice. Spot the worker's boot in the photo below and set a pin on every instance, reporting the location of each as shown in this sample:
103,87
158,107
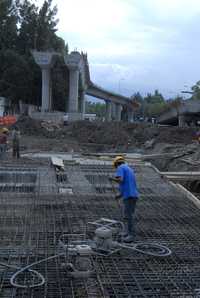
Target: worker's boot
128,239
122,235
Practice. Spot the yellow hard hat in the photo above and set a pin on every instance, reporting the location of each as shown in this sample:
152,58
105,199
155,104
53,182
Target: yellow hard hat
4,129
118,159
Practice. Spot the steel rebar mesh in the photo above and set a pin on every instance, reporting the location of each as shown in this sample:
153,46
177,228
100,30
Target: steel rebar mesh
17,180
31,224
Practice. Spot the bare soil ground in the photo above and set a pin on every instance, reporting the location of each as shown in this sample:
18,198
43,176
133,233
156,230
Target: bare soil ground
85,136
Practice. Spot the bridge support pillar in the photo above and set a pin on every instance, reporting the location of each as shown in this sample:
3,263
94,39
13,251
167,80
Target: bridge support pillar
118,112
130,116
108,110
45,62
46,89
113,111
73,90
82,103
181,121
73,62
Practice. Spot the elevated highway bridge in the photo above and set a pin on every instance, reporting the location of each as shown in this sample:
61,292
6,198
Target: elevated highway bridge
80,84
188,112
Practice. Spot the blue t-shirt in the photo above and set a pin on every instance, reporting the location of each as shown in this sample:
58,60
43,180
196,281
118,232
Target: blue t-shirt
128,187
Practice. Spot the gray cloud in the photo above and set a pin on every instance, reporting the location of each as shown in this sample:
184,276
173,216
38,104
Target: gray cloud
150,44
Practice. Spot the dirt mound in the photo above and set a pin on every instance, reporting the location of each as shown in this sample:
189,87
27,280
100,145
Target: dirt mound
174,134
114,134
99,132
129,133
29,126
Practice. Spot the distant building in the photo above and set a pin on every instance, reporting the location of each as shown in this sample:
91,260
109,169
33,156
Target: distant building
4,106
90,117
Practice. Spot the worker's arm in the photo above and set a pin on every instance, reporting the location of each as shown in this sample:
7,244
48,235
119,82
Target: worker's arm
117,179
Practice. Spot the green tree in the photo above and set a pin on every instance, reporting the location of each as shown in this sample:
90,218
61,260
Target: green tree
151,105
196,91
28,31
8,24
96,108
47,22
138,110
38,28
154,104
23,27
16,78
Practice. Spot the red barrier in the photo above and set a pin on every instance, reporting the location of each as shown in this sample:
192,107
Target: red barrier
7,120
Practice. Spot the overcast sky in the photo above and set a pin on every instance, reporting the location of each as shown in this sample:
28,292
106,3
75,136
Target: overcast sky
135,45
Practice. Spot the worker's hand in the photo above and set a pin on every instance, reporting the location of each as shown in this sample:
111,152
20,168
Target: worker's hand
111,179
117,197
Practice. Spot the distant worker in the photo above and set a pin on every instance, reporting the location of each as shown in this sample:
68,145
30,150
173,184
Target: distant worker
198,136
16,142
3,142
125,176
65,119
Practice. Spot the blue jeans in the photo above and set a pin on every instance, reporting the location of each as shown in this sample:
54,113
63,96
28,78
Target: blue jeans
129,210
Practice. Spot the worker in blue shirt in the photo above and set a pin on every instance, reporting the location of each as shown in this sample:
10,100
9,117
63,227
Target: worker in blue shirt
125,176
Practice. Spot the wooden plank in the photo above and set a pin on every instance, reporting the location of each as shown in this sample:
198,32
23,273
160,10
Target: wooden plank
57,162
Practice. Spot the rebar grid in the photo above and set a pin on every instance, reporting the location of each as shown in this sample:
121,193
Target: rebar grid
31,225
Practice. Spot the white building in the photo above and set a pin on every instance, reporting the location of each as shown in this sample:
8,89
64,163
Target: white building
90,117
4,105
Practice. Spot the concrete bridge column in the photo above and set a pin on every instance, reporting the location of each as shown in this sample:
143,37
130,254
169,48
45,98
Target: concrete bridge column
118,112
130,116
73,90
181,121
82,103
46,89
45,62
113,111
108,110
74,62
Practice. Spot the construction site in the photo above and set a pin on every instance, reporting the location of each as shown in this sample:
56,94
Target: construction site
49,218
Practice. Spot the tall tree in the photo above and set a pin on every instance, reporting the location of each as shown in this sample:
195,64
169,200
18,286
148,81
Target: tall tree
138,109
154,104
47,22
28,27
16,77
38,28
23,27
8,24
96,108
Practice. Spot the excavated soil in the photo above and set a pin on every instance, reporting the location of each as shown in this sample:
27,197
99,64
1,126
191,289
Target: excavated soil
112,133
86,136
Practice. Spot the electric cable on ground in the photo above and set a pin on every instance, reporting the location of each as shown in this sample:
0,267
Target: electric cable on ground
27,268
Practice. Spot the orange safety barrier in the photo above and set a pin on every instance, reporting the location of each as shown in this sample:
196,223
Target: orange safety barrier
7,120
